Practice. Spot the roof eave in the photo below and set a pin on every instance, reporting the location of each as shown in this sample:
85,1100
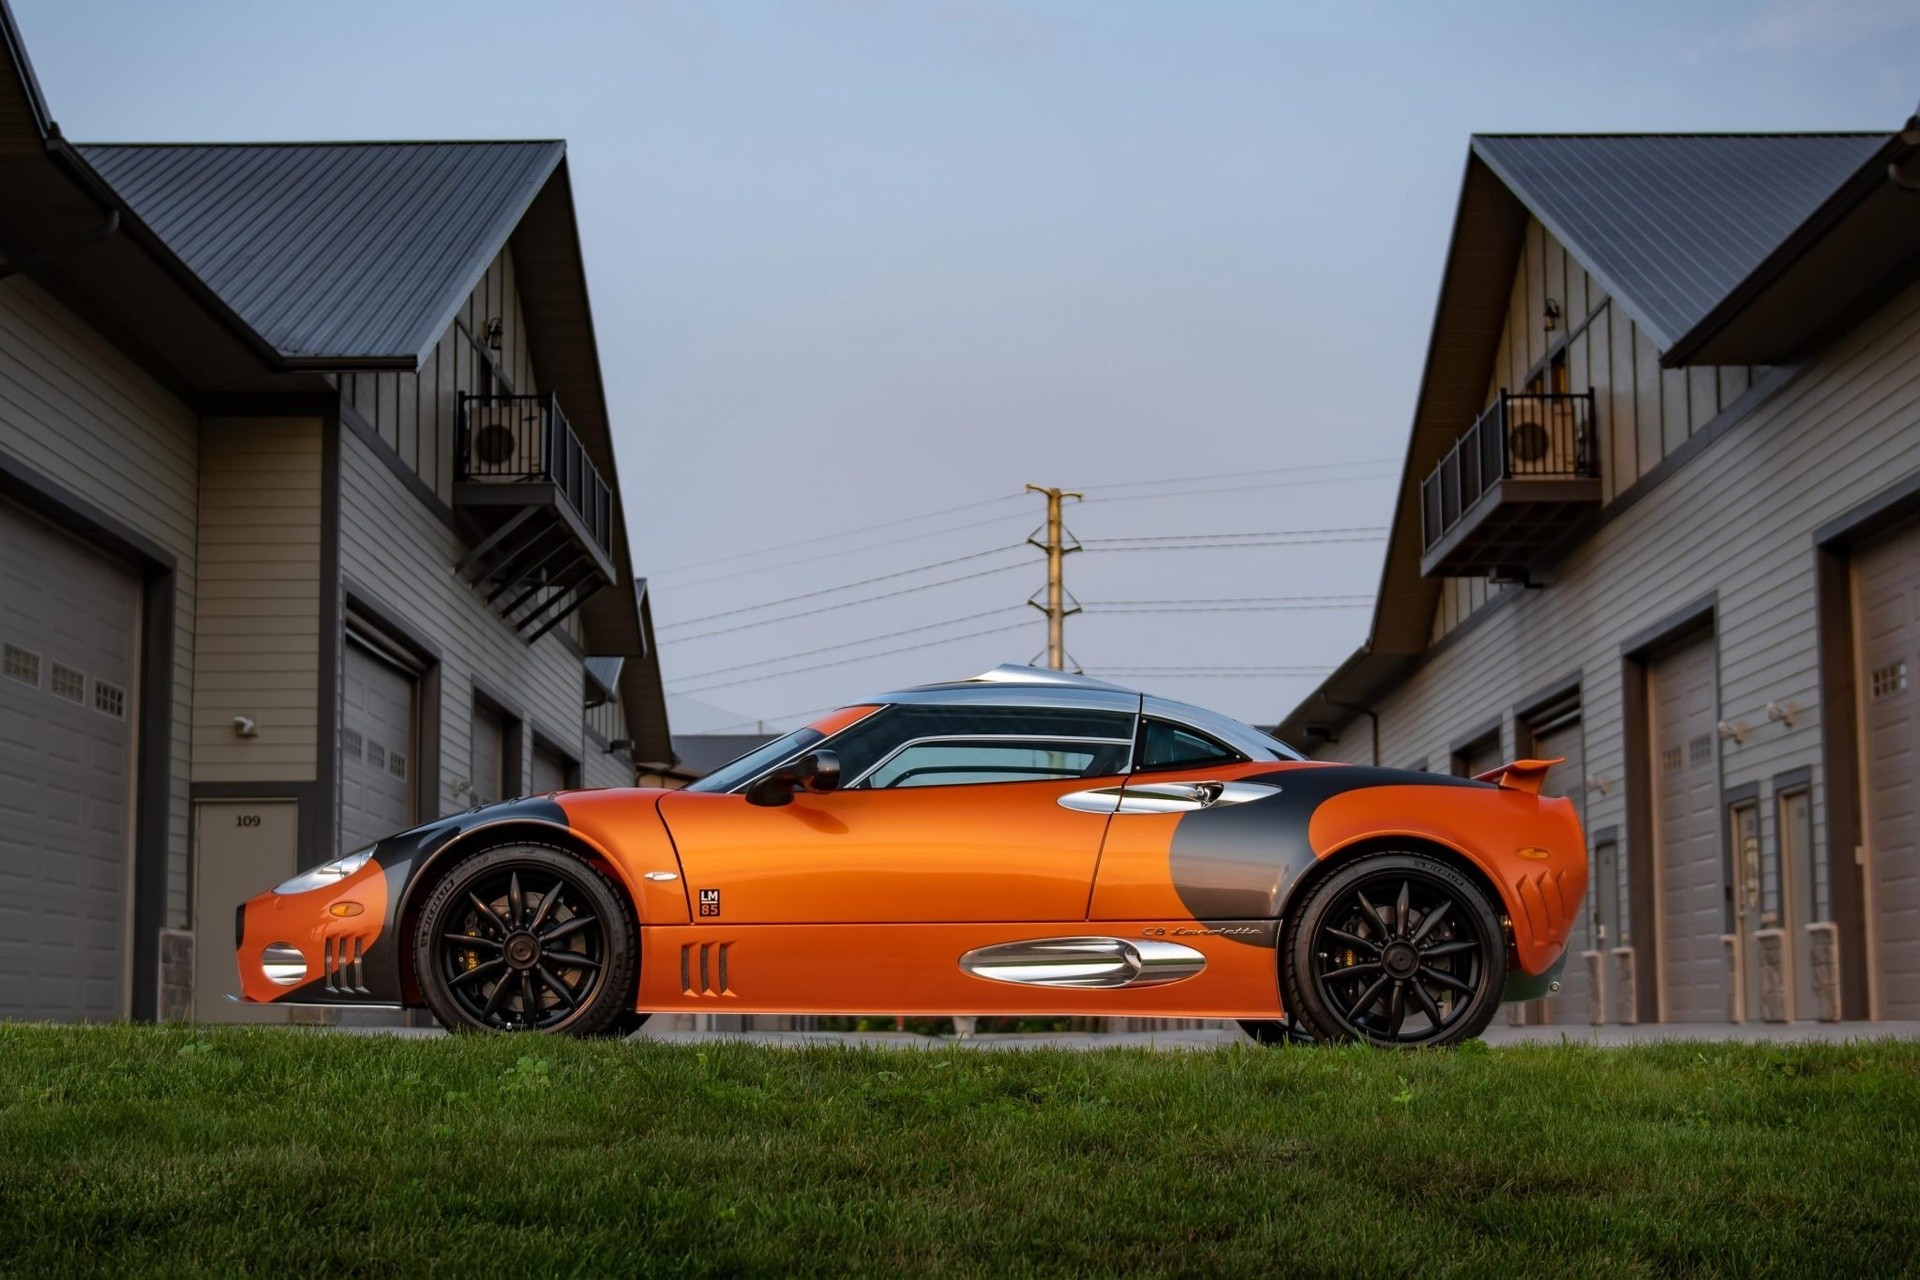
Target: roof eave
1716,339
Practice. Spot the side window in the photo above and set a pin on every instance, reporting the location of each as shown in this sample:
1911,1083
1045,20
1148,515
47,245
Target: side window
881,736
1173,746
960,762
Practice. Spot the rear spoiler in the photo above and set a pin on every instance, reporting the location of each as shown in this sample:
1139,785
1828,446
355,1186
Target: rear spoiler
1521,775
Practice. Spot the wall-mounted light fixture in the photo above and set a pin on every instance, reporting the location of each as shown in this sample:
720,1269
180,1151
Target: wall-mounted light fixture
244,727
1550,315
1600,782
1787,711
1734,731
495,331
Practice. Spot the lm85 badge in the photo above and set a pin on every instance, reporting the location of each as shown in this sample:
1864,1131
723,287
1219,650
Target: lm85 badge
709,902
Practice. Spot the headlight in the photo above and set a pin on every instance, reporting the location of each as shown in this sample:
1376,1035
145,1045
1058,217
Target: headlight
327,873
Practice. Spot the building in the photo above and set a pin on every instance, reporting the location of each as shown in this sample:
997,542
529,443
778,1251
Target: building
1660,516
310,528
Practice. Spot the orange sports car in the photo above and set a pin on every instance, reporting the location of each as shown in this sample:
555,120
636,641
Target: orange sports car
1023,843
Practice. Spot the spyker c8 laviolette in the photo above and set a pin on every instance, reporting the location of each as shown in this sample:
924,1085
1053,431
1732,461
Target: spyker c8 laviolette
1022,843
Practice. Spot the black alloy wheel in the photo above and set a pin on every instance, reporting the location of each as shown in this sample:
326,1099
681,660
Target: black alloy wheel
528,938
1399,950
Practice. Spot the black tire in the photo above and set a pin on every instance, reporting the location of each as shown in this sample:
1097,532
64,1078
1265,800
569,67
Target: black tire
527,937
1398,950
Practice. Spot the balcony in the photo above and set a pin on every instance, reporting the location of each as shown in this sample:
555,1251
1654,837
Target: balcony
1510,488
541,515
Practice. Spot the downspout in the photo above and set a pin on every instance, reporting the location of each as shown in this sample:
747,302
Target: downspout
1369,714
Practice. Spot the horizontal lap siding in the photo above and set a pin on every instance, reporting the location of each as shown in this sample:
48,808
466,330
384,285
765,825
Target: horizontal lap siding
1737,520
394,548
259,618
74,409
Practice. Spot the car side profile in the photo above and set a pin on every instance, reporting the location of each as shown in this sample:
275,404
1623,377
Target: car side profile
1026,842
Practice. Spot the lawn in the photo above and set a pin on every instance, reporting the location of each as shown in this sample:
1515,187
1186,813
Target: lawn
295,1152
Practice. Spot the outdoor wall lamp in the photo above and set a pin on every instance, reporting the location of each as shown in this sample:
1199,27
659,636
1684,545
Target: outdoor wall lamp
1787,711
1600,782
494,332
1552,314
1734,731
244,727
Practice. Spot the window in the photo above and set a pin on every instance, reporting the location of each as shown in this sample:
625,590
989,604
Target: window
961,762
69,683
23,665
1796,853
1164,745
757,761
1744,824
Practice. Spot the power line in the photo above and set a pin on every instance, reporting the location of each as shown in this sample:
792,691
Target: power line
865,657
845,551
845,604
1210,673
844,533
1230,488
764,720
1242,475
1370,530
1175,606
845,586
855,644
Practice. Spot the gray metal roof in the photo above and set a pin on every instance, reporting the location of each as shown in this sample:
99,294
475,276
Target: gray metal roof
334,250
1670,223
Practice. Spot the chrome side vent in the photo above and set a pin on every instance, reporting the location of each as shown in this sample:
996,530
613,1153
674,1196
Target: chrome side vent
1085,962
710,960
345,962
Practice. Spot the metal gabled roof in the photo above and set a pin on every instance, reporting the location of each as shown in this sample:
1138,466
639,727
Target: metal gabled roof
334,252
1670,223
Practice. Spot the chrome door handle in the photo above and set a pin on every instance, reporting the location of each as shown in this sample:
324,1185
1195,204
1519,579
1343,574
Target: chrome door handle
1165,797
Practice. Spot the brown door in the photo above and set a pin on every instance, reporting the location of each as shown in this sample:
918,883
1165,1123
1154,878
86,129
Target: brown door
1689,879
1887,625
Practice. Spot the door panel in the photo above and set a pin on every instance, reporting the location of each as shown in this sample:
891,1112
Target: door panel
915,970
1689,877
1887,624
240,846
999,851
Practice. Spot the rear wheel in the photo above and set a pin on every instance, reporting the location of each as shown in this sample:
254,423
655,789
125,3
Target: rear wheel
1398,950
527,938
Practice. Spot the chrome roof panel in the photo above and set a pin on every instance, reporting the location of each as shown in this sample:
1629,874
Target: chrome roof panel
969,694
1013,673
1240,736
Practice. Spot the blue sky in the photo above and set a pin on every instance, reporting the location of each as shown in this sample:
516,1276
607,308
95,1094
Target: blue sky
857,260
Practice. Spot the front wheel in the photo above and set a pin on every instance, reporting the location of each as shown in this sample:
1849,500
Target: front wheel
1398,950
527,938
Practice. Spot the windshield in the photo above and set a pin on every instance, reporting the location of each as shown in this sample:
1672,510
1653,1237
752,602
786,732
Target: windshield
729,776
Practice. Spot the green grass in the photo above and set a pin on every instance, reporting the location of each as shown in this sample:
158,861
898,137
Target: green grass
288,1152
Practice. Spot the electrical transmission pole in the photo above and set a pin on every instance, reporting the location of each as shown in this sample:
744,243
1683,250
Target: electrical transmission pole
1059,603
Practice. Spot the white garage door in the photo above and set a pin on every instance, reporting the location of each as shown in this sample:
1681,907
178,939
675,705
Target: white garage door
376,749
69,633
1686,801
1887,623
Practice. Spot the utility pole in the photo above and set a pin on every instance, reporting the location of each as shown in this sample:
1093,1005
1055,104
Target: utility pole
1059,603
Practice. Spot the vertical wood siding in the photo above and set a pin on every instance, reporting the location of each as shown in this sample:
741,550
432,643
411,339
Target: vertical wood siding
257,653
76,410
1736,520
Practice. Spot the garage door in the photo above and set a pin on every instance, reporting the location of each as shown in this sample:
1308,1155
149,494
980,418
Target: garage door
490,756
376,749
1558,737
1688,872
69,629
1887,622
551,770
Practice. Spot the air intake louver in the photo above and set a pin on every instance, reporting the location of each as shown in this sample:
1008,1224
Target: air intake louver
711,964
345,965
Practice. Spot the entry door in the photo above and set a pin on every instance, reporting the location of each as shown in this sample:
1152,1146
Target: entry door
1688,872
376,749
994,851
1887,625
69,633
240,847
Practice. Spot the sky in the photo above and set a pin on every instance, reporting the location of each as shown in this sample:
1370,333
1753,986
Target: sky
863,269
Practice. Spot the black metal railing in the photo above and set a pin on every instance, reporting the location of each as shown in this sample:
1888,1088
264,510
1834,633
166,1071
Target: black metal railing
508,439
1520,437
